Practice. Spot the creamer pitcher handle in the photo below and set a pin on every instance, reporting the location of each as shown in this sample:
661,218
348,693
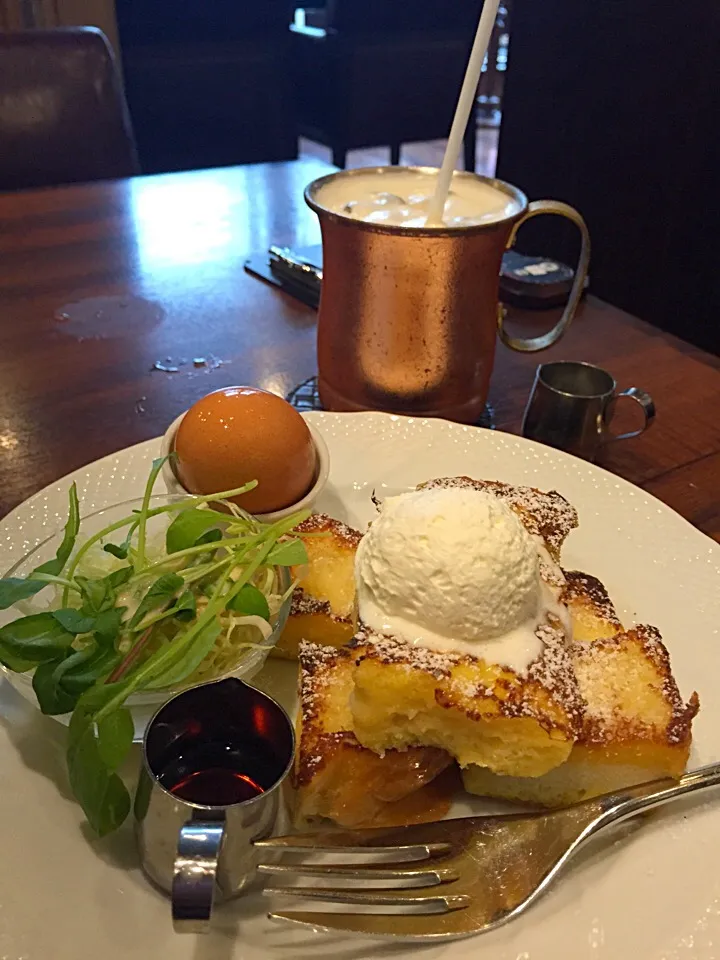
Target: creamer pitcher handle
646,404
545,340
196,863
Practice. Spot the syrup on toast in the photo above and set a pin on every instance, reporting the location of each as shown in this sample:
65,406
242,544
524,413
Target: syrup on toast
337,779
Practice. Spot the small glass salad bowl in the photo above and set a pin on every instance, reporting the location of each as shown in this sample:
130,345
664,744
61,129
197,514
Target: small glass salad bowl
163,586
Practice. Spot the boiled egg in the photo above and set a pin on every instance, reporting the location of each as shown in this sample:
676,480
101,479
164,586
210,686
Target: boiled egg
239,434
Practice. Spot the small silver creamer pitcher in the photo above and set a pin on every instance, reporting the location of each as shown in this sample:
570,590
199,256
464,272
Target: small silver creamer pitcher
214,759
571,407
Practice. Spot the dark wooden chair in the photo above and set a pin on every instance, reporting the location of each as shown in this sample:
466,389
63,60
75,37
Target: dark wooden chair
63,116
208,81
383,72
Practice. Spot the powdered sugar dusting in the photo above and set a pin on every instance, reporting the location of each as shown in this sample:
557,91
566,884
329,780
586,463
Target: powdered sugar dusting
314,659
315,743
437,663
613,672
322,523
552,670
551,574
304,605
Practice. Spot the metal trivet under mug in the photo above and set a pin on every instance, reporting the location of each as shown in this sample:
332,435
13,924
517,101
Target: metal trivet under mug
305,397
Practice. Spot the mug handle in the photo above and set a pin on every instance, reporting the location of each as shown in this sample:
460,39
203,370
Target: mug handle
196,865
545,340
647,404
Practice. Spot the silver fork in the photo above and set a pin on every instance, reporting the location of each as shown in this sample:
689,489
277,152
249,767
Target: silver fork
469,875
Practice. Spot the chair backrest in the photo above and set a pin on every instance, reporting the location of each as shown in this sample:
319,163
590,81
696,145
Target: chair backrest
63,116
378,16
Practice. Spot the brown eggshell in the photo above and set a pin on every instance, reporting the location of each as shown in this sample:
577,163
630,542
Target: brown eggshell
239,434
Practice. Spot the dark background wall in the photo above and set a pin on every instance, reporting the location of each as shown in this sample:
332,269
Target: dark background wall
614,106
207,81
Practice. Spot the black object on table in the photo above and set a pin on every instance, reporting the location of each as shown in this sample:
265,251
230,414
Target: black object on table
534,282
305,397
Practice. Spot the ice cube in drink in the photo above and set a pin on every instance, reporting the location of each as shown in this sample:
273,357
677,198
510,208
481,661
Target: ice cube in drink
401,197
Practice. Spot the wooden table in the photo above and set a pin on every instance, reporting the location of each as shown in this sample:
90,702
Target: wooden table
100,282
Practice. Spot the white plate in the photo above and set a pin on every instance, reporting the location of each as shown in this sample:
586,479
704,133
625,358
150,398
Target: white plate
655,895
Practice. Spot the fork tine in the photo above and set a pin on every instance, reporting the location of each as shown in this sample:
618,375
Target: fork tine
322,842
369,871
402,897
417,841
388,926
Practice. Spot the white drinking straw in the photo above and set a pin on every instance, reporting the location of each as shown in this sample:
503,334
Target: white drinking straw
462,111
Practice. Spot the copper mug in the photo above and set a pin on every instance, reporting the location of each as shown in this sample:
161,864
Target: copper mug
408,315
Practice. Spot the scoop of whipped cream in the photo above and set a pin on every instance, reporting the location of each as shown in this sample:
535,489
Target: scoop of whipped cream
453,569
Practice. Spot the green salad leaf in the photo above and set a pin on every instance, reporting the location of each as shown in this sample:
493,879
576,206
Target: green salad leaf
159,594
35,638
80,671
58,684
108,624
115,734
250,602
74,621
51,695
159,616
15,589
16,664
118,578
290,553
192,656
190,526
97,595
120,550
72,528
186,606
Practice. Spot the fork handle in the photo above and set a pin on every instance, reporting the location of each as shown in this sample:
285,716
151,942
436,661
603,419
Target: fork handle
622,805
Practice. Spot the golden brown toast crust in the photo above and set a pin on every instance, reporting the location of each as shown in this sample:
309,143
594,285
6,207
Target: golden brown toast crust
607,719
619,738
591,609
344,535
314,616
482,713
345,540
635,724
336,778
547,694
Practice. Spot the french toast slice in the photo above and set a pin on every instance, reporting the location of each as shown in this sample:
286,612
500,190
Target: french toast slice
635,725
337,779
592,612
480,713
323,604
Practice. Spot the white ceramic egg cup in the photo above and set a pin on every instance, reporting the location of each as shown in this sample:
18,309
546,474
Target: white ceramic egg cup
322,470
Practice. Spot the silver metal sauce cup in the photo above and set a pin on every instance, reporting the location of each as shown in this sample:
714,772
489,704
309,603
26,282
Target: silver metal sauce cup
201,852
571,406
